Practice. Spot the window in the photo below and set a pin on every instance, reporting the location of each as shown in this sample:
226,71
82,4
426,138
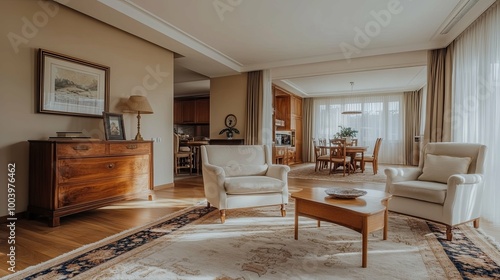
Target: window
382,117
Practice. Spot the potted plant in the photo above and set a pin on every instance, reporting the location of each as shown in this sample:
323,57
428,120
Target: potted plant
346,132
229,132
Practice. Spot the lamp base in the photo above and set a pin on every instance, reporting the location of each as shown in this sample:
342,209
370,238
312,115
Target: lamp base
138,137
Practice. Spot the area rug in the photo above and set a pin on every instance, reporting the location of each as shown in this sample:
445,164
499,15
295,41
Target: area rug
306,171
259,244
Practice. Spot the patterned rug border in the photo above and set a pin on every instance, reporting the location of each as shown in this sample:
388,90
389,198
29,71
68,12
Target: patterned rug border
30,272
209,215
449,268
454,263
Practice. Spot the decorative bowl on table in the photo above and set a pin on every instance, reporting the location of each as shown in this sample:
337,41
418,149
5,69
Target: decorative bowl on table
345,193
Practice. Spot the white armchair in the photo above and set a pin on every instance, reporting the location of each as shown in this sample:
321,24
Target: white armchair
241,176
445,188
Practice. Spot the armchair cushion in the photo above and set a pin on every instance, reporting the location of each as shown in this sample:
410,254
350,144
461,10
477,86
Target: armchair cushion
253,184
438,168
425,191
233,169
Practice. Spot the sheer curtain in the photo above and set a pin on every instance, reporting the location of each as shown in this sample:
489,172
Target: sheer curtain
382,117
476,99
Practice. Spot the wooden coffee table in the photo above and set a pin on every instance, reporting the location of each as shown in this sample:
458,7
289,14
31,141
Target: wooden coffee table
363,214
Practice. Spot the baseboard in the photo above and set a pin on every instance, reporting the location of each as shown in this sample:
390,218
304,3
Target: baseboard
165,186
20,215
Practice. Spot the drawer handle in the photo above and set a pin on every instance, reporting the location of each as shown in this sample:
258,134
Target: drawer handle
81,148
131,146
111,165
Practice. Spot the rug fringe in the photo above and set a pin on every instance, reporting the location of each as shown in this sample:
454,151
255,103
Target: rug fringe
78,251
489,238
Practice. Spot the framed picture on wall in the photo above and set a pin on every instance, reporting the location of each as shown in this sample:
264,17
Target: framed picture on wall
113,126
71,86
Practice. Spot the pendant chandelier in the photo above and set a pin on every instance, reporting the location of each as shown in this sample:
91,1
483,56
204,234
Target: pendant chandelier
351,112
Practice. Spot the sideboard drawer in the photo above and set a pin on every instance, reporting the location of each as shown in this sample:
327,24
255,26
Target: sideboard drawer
74,170
129,148
73,194
79,149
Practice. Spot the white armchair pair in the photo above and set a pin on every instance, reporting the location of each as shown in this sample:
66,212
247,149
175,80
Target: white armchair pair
241,176
445,188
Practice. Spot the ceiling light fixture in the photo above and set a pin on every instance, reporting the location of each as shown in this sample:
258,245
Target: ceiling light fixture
352,112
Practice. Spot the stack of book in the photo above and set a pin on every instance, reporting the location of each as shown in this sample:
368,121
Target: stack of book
67,135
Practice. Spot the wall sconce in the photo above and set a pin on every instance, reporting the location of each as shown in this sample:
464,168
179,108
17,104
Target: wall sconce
139,104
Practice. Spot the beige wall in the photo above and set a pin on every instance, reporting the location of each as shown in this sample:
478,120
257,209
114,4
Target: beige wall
65,31
228,95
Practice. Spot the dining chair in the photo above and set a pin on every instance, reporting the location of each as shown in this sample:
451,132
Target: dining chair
323,144
373,158
183,157
339,157
322,160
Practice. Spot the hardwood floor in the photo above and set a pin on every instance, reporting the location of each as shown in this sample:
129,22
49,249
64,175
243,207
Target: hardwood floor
36,242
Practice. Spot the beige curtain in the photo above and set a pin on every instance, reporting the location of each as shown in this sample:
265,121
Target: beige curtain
307,130
412,116
439,91
254,103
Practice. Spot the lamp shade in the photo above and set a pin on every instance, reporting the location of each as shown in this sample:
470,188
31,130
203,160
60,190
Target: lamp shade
139,103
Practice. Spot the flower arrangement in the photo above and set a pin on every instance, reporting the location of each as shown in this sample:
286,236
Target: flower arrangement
229,132
346,132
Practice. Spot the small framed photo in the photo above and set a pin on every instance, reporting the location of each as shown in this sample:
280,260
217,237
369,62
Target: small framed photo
113,126
71,86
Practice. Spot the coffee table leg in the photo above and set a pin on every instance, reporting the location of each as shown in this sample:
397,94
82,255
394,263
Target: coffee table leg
296,232
386,219
365,243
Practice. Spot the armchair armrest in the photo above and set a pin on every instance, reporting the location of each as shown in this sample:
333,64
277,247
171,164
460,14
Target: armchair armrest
402,174
214,169
278,171
213,183
460,179
463,198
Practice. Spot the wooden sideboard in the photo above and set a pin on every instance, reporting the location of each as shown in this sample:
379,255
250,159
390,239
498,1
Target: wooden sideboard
227,141
70,176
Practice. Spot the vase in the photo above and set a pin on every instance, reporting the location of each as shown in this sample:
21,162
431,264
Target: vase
348,140
229,135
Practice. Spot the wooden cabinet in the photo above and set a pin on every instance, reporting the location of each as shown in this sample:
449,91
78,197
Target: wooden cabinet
178,111
282,111
202,114
70,176
297,140
188,111
288,107
192,111
296,106
227,141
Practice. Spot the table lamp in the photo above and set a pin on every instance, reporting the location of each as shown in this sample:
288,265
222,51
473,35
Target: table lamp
139,104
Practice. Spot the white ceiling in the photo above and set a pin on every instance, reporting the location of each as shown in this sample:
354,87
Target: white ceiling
313,48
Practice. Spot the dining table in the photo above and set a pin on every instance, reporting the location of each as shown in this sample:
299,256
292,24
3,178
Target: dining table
352,151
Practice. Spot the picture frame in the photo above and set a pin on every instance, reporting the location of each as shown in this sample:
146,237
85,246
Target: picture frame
71,86
113,126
